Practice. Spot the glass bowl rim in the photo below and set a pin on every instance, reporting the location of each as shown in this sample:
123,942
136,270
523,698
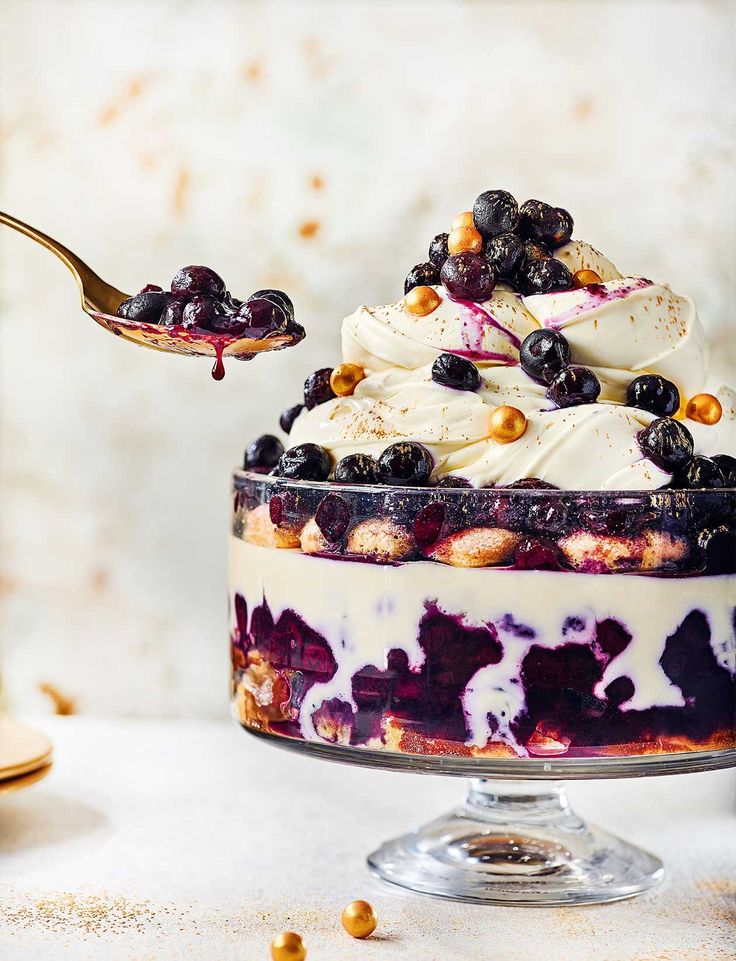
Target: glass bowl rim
241,476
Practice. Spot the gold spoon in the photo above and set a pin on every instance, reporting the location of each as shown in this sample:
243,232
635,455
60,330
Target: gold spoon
101,301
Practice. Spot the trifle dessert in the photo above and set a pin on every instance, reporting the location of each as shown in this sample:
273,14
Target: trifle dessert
504,524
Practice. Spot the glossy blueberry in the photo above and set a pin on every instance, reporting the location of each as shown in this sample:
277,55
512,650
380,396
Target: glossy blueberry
317,388
495,212
542,277
277,297
173,313
700,472
547,515
728,468
457,372
357,469
229,325
667,443
263,453
531,484
422,275
438,252
505,254
198,312
146,307
655,394
333,517
405,463
549,225
286,421
197,280
544,354
263,317
149,288
574,386
450,482
304,462
468,276
718,547
428,523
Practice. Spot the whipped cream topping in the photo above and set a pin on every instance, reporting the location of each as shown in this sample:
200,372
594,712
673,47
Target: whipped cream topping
620,328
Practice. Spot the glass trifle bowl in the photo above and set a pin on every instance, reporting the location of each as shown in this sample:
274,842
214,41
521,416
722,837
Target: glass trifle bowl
518,637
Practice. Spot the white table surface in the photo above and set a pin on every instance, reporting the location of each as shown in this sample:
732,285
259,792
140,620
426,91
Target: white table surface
180,841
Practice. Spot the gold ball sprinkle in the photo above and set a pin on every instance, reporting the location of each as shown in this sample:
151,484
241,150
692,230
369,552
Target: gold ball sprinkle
583,278
345,378
704,408
507,424
463,220
464,238
359,919
288,947
422,301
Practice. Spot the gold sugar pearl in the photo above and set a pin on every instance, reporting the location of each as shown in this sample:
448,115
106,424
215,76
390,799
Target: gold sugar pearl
507,424
345,378
359,919
288,947
464,238
422,301
704,408
463,220
583,278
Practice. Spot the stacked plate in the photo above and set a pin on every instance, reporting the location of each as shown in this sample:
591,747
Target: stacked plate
25,756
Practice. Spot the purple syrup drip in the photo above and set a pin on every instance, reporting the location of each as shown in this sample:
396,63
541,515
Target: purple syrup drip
596,296
477,317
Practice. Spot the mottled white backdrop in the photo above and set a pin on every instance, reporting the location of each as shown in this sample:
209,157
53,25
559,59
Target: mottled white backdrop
315,146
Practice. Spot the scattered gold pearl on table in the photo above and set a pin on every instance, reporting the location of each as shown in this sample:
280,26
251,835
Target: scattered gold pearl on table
464,238
422,301
463,220
288,947
582,278
359,919
344,379
704,408
507,424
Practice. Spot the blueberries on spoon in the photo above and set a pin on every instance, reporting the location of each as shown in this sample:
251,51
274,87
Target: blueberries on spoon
456,372
667,443
405,463
317,389
438,252
544,354
263,453
146,307
550,225
655,394
286,421
495,212
263,317
357,469
173,314
197,280
468,276
198,312
277,297
304,462
423,275
574,386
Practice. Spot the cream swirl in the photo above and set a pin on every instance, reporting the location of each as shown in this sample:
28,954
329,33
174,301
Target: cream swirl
620,328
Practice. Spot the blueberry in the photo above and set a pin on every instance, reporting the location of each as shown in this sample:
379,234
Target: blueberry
546,515
438,252
534,251
263,453
333,517
718,546
230,325
197,280
655,394
542,277
531,484
357,469
286,421
405,463
422,275
468,276
574,386
453,371
550,225
198,312
544,354
700,472
428,523
172,315
277,297
534,553
304,462
317,388
263,317
453,482
668,443
505,254
495,212
728,468
146,307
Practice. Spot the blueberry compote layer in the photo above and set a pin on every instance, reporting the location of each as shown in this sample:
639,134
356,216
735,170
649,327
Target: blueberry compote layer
535,623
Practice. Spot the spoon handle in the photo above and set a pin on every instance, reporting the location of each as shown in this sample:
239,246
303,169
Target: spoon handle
96,294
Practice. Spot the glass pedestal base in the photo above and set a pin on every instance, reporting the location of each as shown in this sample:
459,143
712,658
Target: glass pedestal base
516,843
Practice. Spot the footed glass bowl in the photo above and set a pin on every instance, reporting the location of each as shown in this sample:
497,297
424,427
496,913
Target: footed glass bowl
524,634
